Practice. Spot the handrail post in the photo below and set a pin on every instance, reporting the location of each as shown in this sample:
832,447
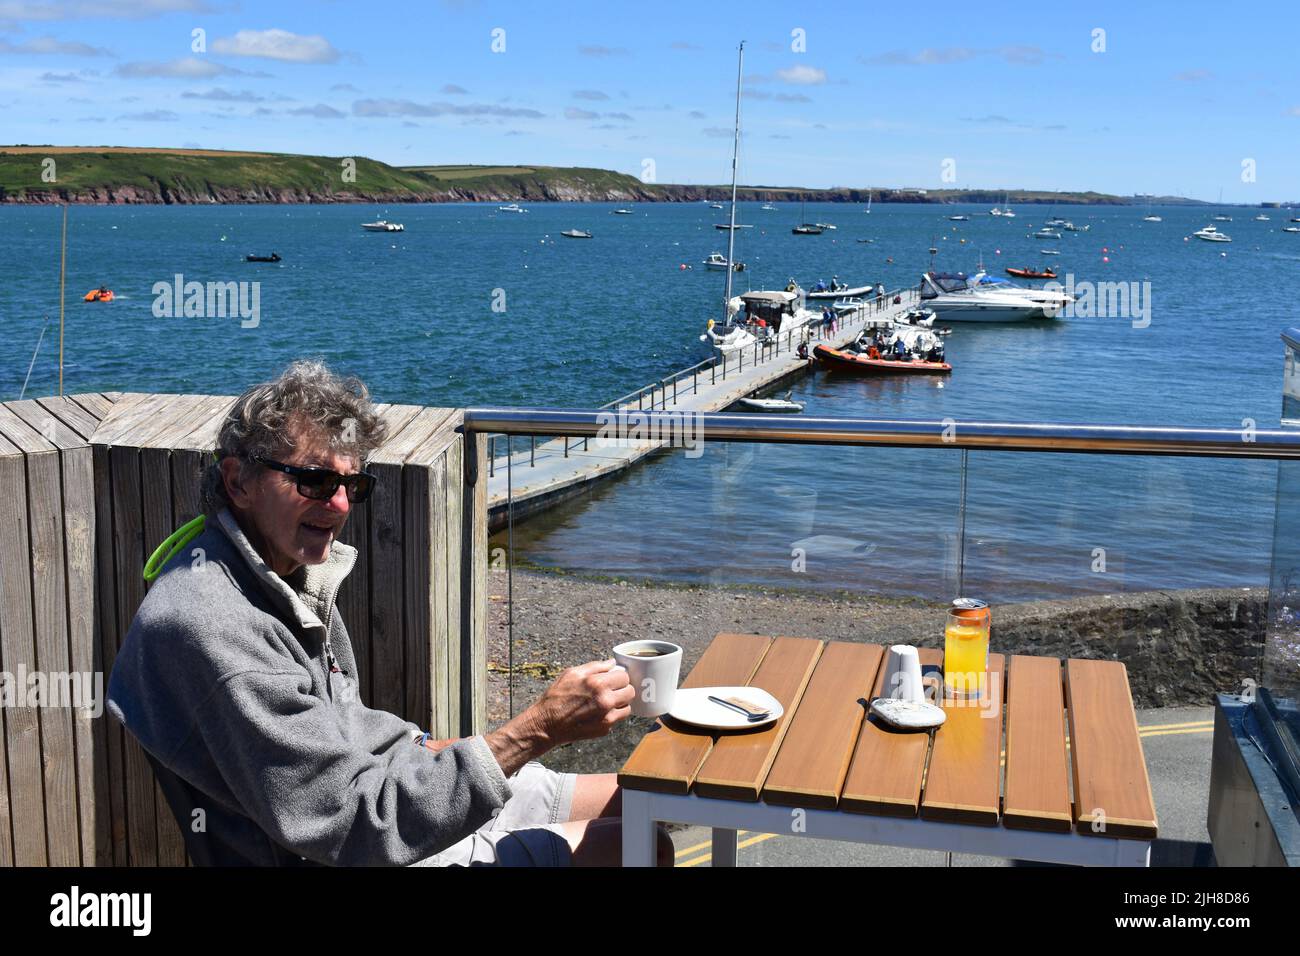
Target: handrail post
566,446
492,455
532,451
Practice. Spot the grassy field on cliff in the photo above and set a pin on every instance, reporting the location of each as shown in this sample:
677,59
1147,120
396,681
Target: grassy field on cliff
193,175
196,172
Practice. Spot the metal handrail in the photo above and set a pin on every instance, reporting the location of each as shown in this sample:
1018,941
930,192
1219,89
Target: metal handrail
947,433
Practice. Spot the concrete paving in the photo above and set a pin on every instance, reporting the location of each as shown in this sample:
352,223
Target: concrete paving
1176,741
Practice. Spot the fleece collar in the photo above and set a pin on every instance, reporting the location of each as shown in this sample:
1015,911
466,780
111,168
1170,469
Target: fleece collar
307,595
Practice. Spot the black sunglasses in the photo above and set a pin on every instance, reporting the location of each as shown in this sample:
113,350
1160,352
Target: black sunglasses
320,484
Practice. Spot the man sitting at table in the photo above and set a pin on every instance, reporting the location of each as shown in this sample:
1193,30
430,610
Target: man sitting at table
239,680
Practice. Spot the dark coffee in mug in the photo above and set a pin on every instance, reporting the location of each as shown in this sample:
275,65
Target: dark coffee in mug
646,652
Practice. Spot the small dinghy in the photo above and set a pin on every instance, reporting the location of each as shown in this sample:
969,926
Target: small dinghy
575,234
836,290
1032,273
273,257
102,294
771,404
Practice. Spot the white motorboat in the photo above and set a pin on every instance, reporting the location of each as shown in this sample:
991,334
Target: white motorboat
836,290
956,297
825,225
512,207
383,225
576,234
1211,234
761,316
1261,218
715,205
1223,219
959,218
622,212
921,318
1046,234
1071,227
1291,228
1049,252
718,262
726,225
1152,219
767,207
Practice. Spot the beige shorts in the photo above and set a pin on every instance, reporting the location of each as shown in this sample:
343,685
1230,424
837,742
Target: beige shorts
524,832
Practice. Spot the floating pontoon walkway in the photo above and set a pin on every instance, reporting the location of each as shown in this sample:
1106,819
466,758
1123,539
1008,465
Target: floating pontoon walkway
546,472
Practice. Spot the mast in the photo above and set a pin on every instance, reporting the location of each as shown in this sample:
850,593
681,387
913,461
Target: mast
735,152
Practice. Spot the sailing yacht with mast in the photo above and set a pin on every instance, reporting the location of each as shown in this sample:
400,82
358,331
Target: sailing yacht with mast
729,335
776,313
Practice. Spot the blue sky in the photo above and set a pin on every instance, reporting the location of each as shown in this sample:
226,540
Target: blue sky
879,94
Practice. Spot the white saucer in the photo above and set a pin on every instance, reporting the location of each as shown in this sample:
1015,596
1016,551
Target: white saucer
692,706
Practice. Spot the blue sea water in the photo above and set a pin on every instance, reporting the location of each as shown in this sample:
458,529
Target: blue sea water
413,314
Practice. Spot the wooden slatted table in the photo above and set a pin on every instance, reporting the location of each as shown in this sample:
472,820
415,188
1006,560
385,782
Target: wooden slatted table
1049,767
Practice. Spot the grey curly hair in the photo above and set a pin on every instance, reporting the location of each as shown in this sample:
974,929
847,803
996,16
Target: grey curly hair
307,399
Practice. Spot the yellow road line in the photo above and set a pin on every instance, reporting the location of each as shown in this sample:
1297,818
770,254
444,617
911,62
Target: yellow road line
1189,730
1190,723
706,857
703,846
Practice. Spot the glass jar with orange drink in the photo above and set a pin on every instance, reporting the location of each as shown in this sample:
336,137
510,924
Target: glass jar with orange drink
966,650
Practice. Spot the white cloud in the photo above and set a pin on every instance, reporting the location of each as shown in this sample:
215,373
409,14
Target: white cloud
225,96
802,75
393,107
277,45
189,67
48,46
46,10
152,116
319,111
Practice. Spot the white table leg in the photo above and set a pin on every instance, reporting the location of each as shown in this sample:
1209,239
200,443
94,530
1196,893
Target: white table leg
724,847
638,829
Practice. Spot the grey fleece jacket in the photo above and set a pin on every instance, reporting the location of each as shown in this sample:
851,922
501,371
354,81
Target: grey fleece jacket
225,679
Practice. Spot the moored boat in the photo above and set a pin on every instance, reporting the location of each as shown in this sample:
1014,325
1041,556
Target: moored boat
102,294
273,257
576,234
836,290
1046,273
383,225
717,261
860,363
771,405
1212,234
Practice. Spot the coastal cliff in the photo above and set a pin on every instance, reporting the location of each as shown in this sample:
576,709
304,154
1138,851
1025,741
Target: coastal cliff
129,176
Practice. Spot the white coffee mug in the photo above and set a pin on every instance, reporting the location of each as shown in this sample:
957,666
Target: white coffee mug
653,678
